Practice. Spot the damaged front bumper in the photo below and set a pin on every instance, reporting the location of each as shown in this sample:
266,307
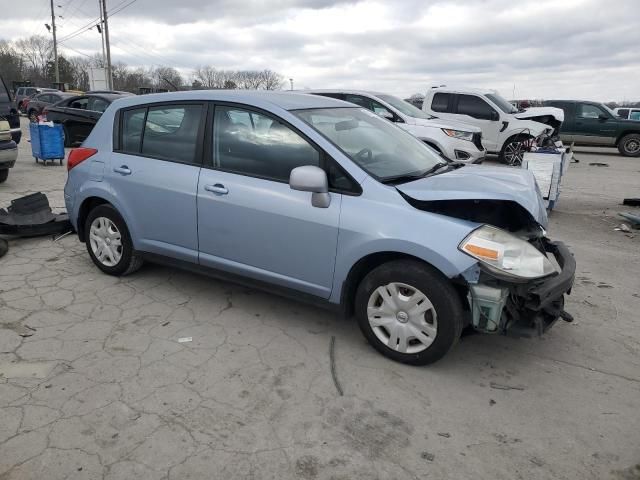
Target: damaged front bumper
499,305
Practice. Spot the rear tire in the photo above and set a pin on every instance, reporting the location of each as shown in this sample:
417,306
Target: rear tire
629,145
428,319
114,238
4,174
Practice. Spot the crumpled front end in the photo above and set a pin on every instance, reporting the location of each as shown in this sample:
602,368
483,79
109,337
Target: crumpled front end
501,304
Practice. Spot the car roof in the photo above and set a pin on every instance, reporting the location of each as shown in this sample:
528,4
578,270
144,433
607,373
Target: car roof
478,91
283,99
346,90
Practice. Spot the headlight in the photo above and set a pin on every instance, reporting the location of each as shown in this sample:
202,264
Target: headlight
462,135
505,253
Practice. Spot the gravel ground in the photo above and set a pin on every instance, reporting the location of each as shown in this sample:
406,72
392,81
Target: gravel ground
94,383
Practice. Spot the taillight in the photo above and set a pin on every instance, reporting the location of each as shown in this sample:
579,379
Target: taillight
79,155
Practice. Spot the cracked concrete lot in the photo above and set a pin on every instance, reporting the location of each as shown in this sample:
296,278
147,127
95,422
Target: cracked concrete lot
94,383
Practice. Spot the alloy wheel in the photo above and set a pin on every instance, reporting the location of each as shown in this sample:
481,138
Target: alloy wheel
106,241
402,318
513,153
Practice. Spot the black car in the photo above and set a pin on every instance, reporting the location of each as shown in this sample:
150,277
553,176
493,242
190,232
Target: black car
79,114
9,111
39,102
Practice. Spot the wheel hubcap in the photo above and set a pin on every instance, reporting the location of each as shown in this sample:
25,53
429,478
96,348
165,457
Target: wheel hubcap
632,146
402,317
105,241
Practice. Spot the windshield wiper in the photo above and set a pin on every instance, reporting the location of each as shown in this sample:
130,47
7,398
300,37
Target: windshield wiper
409,177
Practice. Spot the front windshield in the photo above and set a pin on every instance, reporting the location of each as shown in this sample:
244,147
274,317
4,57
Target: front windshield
380,148
501,103
404,107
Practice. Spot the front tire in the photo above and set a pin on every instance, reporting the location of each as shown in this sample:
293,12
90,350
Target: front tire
109,242
409,312
513,150
629,145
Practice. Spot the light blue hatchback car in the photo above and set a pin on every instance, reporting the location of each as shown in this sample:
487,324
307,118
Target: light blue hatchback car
315,197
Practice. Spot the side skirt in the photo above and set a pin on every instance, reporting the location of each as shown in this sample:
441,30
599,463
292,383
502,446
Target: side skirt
244,281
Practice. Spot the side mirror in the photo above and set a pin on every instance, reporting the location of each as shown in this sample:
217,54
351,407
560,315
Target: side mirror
602,117
386,114
311,179
494,116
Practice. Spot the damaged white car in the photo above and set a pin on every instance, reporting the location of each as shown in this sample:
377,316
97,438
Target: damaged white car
506,130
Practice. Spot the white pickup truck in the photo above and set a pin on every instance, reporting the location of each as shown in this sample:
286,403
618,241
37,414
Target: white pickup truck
504,127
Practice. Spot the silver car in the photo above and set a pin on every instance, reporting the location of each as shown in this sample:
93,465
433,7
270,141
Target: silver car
320,199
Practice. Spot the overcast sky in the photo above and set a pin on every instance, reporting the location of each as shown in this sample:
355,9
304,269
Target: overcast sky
586,49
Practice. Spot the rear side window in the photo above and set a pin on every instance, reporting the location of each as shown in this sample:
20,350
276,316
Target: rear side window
263,148
474,107
98,104
440,102
132,126
635,115
80,103
171,132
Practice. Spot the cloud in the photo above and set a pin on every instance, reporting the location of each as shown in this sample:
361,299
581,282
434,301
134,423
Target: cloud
573,48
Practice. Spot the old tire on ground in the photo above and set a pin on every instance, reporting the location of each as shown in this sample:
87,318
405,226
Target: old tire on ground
109,242
4,174
629,145
513,150
4,247
409,312
67,137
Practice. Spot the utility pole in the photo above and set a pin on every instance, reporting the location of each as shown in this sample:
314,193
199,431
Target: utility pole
55,42
106,41
101,32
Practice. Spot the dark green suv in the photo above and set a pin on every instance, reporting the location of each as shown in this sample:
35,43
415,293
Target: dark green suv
592,123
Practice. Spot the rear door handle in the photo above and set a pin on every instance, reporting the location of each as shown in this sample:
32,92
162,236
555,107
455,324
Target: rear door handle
217,188
123,170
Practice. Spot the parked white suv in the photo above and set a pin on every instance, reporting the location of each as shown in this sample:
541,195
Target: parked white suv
504,127
453,140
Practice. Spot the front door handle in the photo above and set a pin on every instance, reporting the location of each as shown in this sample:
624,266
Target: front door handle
217,188
123,170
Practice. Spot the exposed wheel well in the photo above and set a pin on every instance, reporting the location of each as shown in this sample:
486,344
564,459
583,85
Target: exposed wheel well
368,263
522,135
625,133
88,205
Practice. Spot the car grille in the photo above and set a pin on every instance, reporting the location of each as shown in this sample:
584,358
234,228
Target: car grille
477,140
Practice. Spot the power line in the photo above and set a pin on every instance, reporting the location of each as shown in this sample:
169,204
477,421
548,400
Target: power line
91,24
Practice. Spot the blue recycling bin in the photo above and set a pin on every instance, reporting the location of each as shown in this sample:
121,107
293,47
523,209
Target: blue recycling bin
47,142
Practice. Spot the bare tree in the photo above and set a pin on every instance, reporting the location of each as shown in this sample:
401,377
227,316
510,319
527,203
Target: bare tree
271,80
36,51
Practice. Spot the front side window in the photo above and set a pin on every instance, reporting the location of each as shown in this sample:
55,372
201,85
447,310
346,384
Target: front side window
171,132
381,110
586,110
253,144
474,107
440,102
80,103
378,147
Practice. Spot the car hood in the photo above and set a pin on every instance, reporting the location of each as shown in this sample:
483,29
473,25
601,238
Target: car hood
440,123
532,112
477,184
